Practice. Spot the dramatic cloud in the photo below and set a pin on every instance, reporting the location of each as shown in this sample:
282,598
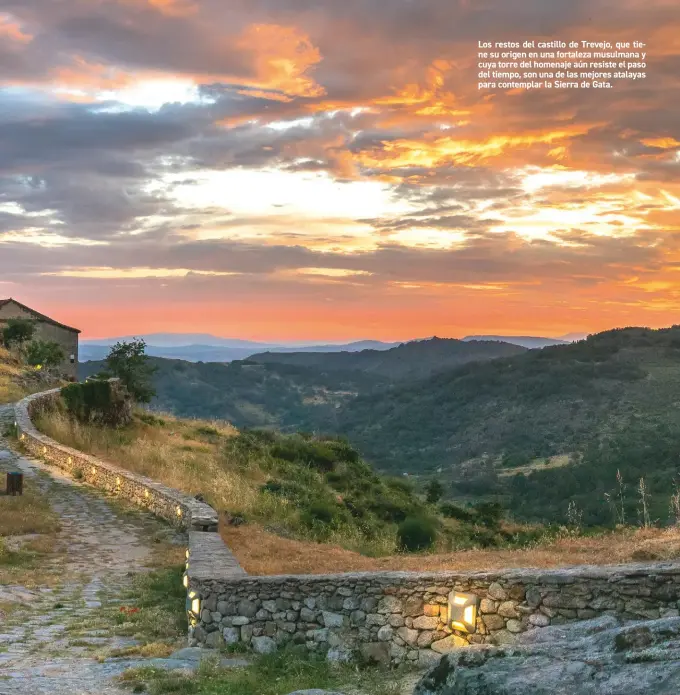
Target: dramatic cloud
314,168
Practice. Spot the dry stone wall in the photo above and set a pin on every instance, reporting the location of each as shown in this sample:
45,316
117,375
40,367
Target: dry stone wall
176,507
396,617
383,616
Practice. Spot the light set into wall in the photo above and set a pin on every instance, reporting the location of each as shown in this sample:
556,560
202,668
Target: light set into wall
463,611
193,607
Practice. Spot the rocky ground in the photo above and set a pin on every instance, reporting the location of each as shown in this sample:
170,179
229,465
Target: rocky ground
101,549
595,657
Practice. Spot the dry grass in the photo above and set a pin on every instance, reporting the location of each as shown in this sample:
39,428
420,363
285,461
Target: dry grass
177,454
263,553
27,513
17,380
28,531
11,372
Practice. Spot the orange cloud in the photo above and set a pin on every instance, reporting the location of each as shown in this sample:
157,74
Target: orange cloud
282,56
169,8
11,31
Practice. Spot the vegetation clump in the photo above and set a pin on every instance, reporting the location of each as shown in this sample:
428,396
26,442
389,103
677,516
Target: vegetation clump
416,533
97,401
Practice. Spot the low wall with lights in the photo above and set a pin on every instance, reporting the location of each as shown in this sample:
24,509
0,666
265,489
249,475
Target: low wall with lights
384,616
176,507
410,617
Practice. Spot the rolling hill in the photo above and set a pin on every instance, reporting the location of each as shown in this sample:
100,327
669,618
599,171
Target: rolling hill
250,394
610,402
415,360
199,347
527,341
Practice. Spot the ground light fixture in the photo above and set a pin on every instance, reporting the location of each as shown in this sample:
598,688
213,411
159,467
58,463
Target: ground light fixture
193,604
463,611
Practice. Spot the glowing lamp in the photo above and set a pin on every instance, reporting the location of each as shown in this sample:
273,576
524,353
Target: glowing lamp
44,450
22,437
69,460
193,604
463,611
146,494
185,581
178,511
118,482
94,470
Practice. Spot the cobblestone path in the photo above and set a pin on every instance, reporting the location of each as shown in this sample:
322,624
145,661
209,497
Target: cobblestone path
101,549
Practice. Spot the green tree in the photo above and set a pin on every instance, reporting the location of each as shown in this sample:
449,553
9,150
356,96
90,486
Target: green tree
44,353
434,491
128,362
17,332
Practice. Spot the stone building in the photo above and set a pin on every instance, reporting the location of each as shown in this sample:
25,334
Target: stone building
46,329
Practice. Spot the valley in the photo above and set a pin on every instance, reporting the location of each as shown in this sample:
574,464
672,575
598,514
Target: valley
484,428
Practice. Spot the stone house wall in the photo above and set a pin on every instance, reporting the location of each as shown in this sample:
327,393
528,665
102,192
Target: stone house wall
45,330
385,616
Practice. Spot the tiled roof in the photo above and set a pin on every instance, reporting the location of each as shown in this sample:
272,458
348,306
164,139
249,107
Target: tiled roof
37,314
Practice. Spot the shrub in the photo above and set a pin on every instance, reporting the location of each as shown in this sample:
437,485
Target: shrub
319,512
453,511
207,431
151,419
18,332
314,454
434,491
98,402
45,353
416,533
489,513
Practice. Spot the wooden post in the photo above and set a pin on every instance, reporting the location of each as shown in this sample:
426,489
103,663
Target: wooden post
15,483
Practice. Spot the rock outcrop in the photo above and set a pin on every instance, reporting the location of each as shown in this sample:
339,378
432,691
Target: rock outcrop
603,656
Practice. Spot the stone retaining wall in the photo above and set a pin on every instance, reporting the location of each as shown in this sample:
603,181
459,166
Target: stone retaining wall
395,617
176,507
385,616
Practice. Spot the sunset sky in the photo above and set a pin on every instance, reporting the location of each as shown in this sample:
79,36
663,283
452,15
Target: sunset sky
328,170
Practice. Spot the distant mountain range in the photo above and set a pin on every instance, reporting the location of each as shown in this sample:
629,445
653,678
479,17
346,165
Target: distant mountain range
199,347
414,360
204,347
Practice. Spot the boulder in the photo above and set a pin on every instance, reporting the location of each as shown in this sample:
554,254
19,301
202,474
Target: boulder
263,645
592,657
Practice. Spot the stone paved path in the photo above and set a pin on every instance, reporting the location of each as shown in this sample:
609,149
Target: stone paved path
102,550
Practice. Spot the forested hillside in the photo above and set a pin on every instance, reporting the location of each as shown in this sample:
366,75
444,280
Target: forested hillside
415,360
249,394
611,402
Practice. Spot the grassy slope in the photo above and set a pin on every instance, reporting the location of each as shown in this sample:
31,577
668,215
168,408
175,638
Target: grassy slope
301,487
211,458
12,376
17,380
414,360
